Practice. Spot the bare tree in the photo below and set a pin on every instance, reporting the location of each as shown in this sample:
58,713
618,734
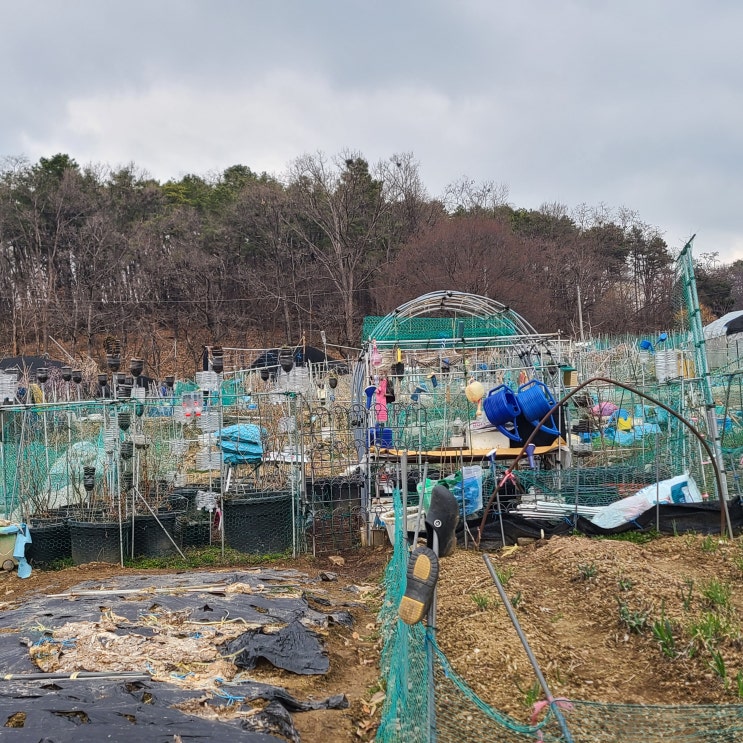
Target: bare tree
341,214
466,196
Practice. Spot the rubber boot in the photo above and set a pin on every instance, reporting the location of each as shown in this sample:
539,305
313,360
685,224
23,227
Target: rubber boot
442,517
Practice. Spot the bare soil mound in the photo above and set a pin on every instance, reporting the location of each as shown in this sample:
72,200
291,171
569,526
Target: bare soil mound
609,621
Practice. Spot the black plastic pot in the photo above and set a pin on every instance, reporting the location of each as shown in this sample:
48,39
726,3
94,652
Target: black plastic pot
150,538
98,541
260,523
89,478
136,367
50,541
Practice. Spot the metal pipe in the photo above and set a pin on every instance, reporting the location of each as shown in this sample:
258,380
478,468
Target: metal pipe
431,629
554,705
75,675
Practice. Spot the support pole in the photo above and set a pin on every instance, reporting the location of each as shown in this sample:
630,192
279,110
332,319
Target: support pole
554,705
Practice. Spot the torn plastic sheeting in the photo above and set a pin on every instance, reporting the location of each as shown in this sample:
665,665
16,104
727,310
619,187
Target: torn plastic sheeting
173,582
681,489
89,712
293,648
247,691
344,618
257,609
701,518
14,657
252,690
275,717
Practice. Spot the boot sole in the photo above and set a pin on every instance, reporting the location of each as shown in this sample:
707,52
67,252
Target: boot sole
423,572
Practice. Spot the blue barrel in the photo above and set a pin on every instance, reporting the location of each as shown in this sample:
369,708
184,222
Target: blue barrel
536,401
501,407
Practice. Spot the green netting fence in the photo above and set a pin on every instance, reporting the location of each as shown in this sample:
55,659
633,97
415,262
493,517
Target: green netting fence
427,700
437,328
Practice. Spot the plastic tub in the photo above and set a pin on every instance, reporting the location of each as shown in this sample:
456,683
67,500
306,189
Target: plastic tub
388,519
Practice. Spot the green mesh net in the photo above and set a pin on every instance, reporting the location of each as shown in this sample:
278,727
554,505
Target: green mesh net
437,328
427,700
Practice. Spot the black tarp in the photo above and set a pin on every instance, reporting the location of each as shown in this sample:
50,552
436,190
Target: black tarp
734,326
700,518
28,364
293,648
302,356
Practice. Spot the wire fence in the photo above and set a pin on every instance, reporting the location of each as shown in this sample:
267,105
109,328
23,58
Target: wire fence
427,700
259,466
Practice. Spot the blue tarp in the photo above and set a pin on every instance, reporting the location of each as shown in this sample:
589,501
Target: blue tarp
635,434
241,443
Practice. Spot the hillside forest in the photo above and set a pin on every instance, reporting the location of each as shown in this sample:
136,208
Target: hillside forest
252,260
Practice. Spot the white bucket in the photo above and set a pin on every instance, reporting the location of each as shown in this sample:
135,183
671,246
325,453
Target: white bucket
388,519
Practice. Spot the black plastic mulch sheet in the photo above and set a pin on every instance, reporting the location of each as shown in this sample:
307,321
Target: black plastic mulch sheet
209,605
700,518
88,710
14,656
92,712
252,690
293,648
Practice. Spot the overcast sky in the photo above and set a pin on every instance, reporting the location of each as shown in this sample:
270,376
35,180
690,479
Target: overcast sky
634,104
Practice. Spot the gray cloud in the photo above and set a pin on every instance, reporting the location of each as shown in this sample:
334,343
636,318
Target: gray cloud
634,105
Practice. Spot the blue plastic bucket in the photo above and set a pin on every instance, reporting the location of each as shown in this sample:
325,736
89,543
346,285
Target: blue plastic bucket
536,401
501,406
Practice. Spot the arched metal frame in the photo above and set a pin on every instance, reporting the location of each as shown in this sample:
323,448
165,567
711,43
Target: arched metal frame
457,304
